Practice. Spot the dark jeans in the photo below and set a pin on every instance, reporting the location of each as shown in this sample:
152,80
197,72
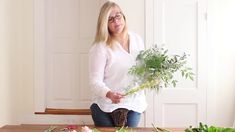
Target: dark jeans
103,119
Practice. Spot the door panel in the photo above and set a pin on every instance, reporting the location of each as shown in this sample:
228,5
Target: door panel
70,29
180,25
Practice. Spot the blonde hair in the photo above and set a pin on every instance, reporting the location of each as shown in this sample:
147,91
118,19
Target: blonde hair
102,31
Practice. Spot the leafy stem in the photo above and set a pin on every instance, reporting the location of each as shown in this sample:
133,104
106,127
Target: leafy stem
148,84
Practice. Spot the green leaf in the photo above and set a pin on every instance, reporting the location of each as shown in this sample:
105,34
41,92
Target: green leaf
191,77
182,73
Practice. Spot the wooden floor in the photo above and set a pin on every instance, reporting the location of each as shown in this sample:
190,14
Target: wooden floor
42,128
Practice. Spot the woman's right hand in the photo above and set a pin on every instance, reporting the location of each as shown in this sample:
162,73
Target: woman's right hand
114,97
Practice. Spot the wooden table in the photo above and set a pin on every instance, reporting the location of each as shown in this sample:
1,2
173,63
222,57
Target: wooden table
42,128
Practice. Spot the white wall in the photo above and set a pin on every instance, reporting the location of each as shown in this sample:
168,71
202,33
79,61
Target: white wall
16,60
16,56
8,62
3,67
221,30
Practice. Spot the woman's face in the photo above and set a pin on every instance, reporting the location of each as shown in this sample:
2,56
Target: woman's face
116,22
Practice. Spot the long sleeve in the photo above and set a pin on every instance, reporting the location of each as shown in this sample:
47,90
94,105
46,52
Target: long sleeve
97,63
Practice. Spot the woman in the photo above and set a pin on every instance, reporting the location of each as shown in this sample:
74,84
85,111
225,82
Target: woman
113,53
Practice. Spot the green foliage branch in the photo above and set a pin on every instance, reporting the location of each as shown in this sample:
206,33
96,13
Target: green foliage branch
155,67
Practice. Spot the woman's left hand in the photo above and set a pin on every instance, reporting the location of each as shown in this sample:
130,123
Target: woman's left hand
115,97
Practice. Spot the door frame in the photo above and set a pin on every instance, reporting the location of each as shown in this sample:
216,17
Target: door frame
39,56
211,85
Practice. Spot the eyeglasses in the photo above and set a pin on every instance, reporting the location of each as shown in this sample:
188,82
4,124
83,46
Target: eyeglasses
118,16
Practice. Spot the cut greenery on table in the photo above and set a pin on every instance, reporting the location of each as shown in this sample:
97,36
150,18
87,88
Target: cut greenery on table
204,128
155,67
124,129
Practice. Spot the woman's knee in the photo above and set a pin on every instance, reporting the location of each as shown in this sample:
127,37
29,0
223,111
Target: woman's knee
100,118
133,119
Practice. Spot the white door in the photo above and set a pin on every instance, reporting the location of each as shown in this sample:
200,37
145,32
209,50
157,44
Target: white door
181,26
70,29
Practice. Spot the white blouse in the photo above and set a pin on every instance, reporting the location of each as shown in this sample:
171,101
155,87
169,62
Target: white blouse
108,70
